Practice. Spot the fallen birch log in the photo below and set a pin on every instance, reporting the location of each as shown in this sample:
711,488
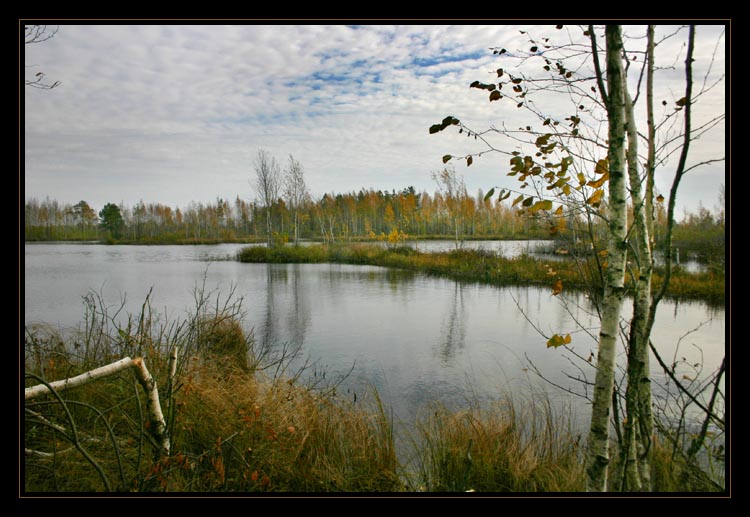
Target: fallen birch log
145,379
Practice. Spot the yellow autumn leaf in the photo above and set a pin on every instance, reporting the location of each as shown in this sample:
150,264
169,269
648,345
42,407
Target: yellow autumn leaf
598,183
558,340
557,287
596,198
602,166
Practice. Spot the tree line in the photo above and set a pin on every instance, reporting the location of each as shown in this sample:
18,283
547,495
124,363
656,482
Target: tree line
364,214
332,217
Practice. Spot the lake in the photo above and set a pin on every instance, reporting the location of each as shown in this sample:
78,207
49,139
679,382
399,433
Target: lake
415,338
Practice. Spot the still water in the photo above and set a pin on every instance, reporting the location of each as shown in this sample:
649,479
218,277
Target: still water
415,338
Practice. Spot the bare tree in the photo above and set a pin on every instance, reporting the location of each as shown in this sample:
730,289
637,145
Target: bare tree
453,189
295,191
268,184
39,34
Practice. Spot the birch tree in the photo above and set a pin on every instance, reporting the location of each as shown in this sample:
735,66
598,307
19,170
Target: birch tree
295,192
267,185
559,172
597,459
453,189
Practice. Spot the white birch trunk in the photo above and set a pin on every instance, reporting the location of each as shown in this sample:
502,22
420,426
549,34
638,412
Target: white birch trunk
79,380
146,380
598,446
638,394
158,424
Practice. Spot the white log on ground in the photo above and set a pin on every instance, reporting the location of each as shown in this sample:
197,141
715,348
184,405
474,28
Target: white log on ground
79,380
146,380
156,417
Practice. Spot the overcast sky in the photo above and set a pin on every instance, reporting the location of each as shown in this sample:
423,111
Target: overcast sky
174,114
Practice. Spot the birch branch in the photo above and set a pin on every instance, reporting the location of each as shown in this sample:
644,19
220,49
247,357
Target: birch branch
144,377
79,380
46,455
158,424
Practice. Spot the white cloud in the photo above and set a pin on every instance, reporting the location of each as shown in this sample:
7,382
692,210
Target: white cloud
176,113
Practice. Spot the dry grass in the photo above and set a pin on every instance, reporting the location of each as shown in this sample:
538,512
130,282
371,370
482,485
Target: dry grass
237,427
499,448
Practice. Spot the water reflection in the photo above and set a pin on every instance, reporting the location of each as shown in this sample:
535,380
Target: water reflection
415,338
453,327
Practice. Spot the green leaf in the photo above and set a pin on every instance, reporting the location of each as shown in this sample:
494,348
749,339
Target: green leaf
517,200
527,202
503,197
565,163
490,193
542,140
447,158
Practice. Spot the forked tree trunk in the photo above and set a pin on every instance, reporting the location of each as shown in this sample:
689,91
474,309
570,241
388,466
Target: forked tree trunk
597,461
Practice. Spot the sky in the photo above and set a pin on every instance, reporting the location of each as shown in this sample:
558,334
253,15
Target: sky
177,113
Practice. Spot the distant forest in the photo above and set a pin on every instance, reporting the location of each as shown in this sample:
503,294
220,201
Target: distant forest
367,214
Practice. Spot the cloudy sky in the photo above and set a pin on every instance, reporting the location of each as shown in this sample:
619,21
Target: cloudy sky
174,114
